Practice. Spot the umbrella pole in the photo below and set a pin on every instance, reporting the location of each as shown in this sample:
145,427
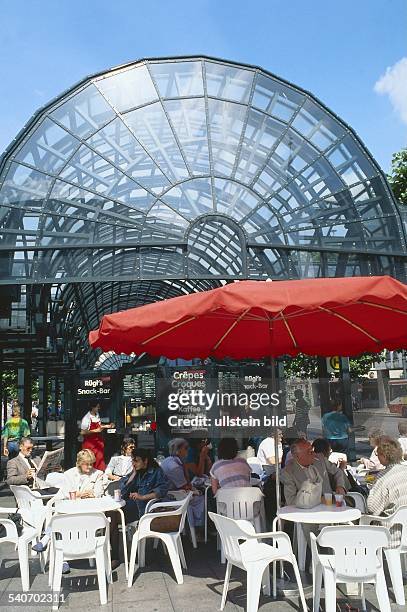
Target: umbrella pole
276,440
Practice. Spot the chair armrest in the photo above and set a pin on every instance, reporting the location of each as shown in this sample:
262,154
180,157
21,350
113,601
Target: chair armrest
279,537
367,519
11,529
157,504
8,510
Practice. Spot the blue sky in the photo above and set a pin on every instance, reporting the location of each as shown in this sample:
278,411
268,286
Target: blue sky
337,50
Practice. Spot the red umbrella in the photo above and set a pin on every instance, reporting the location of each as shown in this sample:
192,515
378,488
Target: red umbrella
254,319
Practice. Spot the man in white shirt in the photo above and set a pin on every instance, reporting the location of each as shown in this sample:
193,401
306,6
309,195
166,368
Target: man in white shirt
267,453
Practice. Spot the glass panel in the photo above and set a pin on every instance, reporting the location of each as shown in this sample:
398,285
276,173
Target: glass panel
350,162
152,129
260,135
128,89
269,263
215,248
23,185
91,171
307,265
84,113
275,98
226,121
163,223
228,82
233,199
117,143
178,78
188,118
317,125
192,198
48,147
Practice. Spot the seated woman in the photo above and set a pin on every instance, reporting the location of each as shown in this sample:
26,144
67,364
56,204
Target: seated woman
121,465
146,481
86,482
402,427
322,446
229,471
198,461
373,463
389,492
175,469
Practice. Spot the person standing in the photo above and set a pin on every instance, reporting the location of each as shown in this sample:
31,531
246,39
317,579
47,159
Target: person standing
14,429
301,420
92,432
336,428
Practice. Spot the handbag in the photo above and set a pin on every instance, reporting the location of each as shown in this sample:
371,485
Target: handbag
310,492
18,522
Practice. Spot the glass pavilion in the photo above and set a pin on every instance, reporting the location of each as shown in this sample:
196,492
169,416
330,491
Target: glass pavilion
166,176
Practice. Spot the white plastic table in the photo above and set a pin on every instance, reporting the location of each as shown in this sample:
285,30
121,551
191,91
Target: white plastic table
319,515
96,504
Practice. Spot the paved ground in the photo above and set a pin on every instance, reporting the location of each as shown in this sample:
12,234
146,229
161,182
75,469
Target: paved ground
154,588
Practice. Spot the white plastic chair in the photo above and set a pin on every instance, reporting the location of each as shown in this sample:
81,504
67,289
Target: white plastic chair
75,536
21,542
246,503
180,495
360,501
30,506
255,465
254,557
34,513
172,540
394,555
356,558
55,479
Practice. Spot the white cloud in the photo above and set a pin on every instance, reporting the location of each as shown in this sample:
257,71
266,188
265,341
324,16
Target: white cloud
394,84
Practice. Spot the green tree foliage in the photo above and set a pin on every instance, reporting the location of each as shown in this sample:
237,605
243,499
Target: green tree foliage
304,366
398,176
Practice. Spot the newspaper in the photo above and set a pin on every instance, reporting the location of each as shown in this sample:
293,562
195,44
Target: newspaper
50,462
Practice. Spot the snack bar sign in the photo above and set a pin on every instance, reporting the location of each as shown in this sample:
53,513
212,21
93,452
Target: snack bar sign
91,387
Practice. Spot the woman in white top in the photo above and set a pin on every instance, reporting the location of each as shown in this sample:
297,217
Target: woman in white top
121,465
402,426
373,462
84,479
87,482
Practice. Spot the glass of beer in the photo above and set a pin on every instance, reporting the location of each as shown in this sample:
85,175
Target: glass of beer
72,494
328,499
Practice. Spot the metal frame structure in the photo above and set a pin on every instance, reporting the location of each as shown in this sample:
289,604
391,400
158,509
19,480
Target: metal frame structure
166,176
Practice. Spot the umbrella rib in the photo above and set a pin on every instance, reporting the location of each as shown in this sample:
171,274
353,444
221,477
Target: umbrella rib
166,331
227,332
336,314
289,329
382,306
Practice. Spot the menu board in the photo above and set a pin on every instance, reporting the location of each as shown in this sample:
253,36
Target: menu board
140,386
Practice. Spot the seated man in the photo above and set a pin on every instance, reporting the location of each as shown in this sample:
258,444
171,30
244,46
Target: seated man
21,470
296,472
267,453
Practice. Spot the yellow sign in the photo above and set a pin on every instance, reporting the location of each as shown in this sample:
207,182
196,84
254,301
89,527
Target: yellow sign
333,363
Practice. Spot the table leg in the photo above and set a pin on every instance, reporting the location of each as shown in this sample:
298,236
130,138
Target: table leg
301,547
206,514
126,563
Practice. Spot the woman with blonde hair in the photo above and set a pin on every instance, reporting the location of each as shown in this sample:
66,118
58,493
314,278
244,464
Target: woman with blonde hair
86,482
